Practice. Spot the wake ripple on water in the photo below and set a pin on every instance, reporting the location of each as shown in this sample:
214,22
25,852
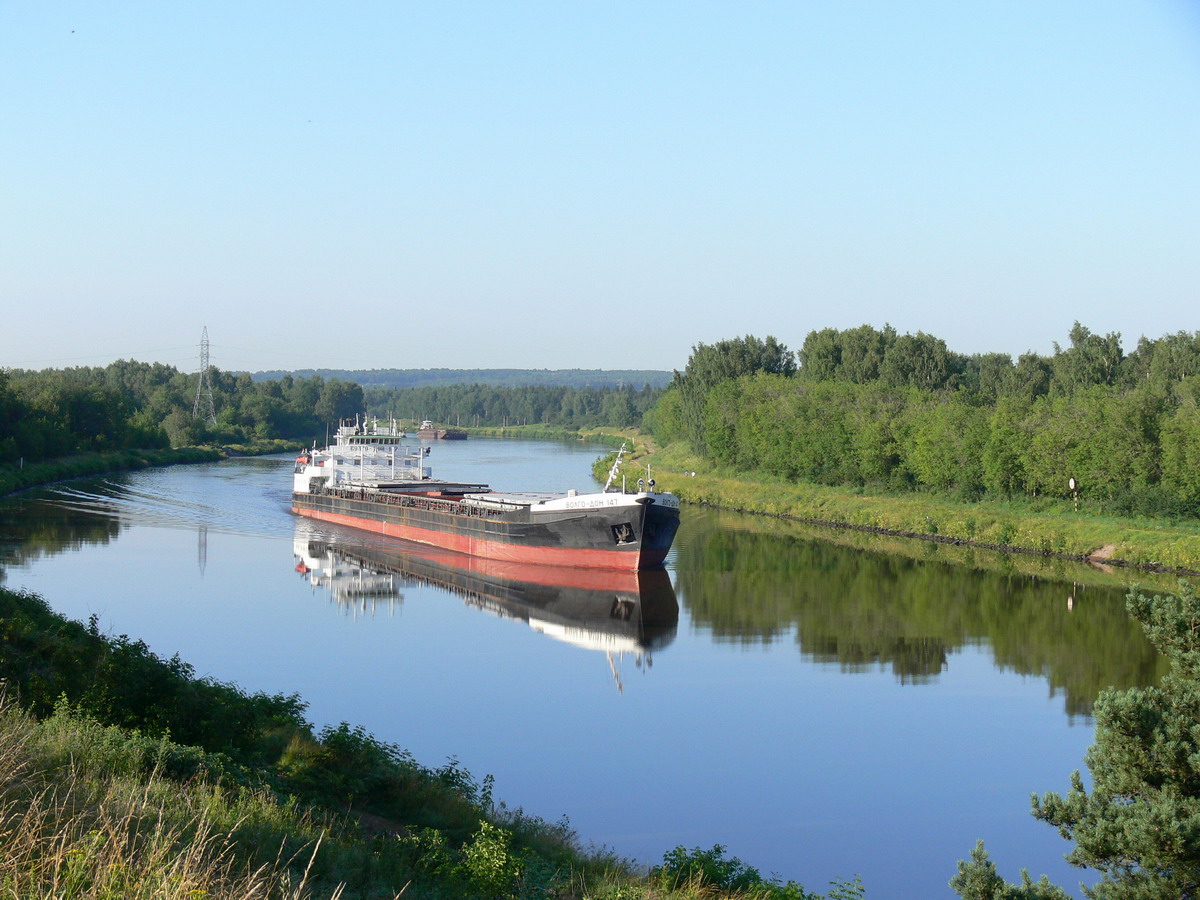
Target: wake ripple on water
256,506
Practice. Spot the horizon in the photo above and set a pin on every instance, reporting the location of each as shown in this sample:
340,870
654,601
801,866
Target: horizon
1127,347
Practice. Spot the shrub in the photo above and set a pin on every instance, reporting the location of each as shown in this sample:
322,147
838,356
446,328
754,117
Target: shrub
710,868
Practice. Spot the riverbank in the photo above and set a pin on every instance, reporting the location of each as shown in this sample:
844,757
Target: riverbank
606,437
177,777
18,478
122,774
1045,527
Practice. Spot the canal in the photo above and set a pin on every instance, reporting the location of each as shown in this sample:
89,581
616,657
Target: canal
823,704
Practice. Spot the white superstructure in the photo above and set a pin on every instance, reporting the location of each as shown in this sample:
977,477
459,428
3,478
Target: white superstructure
366,454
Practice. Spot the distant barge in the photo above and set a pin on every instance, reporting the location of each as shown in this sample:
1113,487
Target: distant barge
367,479
428,432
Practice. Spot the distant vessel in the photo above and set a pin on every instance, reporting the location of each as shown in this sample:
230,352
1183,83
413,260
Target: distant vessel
367,479
428,432
615,613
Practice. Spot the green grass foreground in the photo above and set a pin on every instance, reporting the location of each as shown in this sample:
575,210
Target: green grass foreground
1043,526
124,776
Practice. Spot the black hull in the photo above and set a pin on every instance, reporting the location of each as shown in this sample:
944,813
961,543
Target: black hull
631,536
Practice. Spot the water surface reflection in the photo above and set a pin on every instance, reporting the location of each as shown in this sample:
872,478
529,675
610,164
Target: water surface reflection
761,581
34,527
620,614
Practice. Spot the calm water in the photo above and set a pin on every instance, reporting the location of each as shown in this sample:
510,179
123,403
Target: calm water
822,710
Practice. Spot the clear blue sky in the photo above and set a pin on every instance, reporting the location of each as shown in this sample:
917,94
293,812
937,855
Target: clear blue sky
601,184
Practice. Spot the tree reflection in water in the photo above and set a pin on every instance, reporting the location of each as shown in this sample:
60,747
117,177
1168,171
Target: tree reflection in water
756,580
43,522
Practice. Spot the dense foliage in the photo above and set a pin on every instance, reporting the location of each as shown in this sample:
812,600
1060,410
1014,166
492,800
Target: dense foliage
711,869
709,367
1139,824
57,412
868,407
126,405
481,404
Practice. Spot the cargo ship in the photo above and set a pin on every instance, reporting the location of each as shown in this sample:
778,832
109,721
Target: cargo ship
367,478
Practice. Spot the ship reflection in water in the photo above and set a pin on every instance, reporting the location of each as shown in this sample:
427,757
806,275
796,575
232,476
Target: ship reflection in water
618,613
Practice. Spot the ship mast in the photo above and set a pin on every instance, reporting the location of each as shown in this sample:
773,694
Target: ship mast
612,473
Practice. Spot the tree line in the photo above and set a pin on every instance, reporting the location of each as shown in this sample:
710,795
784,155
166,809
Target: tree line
136,405
127,405
483,404
412,378
871,408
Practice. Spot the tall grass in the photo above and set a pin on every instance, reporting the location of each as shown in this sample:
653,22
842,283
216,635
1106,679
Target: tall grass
72,827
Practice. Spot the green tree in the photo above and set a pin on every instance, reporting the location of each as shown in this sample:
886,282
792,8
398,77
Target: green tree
617,408
1030,378
338,400
665,418
709,365
871,424
1176,357
986,376
724,411
946,445
1003,468
821,355
1170,358
1090,360
1180,441
979,880
863,350
183,429
920,360
1139,826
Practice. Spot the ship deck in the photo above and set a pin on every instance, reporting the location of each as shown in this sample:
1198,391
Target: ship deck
509,499
424,486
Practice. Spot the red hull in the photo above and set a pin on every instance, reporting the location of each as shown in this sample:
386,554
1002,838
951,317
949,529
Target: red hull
497,550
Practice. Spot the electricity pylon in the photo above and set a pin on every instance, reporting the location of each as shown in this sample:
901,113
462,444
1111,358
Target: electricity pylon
204,408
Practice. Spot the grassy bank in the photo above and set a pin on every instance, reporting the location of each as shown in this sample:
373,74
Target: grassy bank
1045,526
607,437
16,478
262,448
123,775
998,562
